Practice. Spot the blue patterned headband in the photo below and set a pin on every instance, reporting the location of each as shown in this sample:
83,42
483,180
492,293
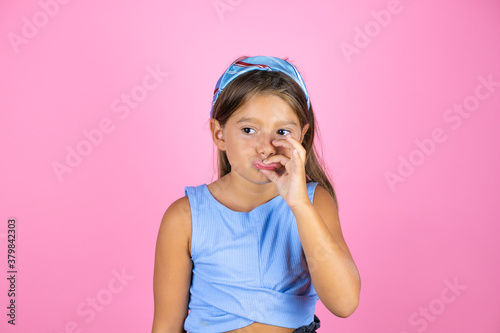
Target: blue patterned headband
261,63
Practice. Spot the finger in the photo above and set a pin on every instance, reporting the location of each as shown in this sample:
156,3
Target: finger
271,175
290,143
282,143
281,159
287,142
299,162
295,144
296,164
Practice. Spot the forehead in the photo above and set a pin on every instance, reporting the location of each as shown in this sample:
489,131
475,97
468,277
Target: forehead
266,108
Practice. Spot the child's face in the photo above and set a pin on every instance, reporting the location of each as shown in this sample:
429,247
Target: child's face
249,133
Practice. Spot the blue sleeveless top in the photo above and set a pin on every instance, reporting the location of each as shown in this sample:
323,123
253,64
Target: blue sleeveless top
247,266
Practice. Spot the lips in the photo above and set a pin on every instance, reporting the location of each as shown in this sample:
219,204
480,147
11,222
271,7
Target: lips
270,166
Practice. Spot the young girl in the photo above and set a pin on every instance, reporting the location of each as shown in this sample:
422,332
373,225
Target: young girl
253,251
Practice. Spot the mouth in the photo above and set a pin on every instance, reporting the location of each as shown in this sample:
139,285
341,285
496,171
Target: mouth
271,166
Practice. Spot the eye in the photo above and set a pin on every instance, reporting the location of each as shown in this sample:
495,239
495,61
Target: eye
280,131
247,130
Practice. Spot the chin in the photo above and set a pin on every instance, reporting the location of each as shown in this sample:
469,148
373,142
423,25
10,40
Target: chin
262,179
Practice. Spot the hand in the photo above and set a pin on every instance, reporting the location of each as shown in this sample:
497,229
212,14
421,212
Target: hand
291,184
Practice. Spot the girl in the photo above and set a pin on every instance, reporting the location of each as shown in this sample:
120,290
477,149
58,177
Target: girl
253,251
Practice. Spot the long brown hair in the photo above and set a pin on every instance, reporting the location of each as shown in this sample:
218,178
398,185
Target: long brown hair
244,87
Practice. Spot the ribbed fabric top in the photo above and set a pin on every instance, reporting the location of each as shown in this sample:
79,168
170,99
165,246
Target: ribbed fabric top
247,266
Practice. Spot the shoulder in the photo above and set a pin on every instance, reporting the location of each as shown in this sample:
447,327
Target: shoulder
177,221
322,197
325,205
180,207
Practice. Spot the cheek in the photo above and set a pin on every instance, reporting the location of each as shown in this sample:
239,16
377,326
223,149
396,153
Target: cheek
240,143
238,147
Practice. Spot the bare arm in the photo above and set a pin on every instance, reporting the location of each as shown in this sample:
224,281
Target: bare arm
173,266
333,272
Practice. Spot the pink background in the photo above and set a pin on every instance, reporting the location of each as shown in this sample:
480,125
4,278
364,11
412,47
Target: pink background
437,226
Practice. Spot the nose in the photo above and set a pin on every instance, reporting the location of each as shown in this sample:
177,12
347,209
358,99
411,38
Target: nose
265,147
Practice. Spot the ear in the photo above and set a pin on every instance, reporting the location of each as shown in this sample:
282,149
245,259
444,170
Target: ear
304,130
217,134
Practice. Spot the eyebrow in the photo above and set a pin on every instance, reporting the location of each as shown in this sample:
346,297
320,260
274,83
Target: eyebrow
279,123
